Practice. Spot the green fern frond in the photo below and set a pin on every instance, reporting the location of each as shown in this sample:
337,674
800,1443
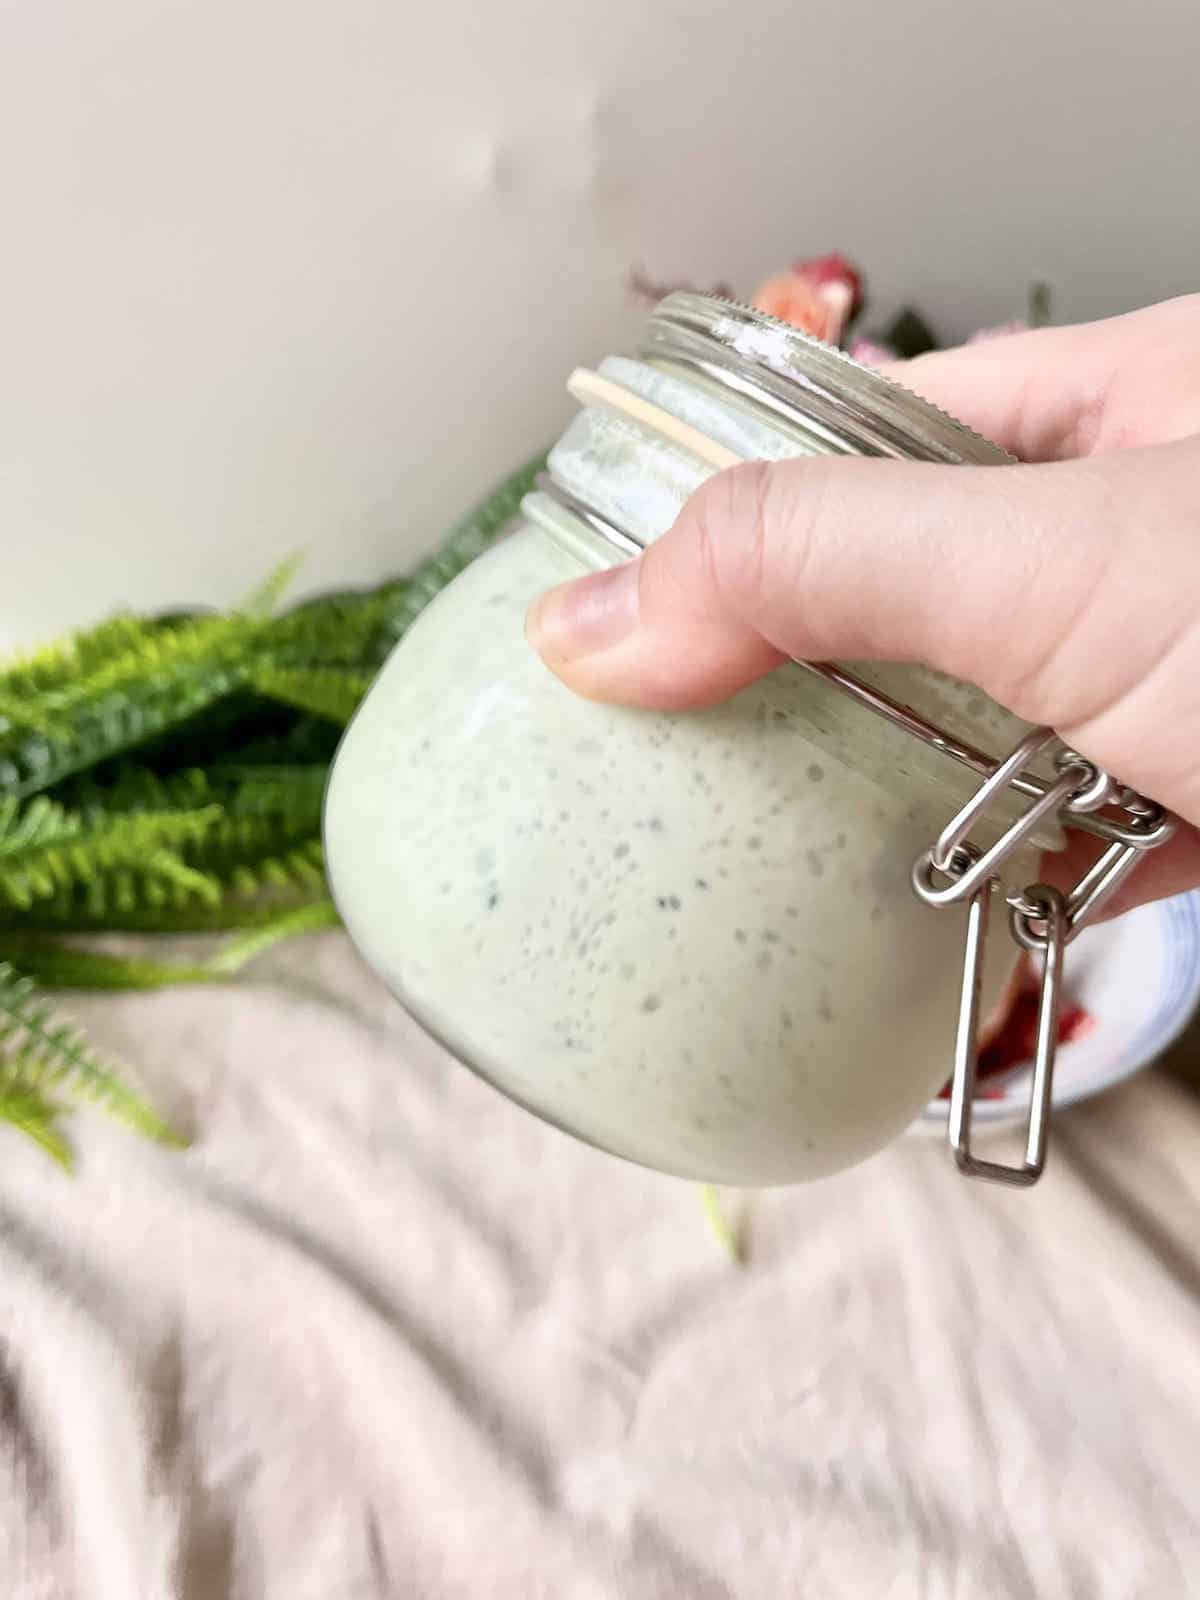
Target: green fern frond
37,1118
65,660
264,600
19,712
246,893
472,534
295,790
467,539
60,964
240,951
338,630
232,913
164,867
242,837
157,656
360,629
128,698
40,823
293,793
50,852
235,719
46,1058
137,789
333,692
281,873
306,741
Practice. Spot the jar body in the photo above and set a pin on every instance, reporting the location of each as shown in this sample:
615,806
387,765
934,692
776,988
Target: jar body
687,938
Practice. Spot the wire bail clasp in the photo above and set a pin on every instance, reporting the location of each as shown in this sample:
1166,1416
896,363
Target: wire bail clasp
1041,919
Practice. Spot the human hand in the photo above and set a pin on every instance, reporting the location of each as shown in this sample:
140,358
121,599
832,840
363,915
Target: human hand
1067,588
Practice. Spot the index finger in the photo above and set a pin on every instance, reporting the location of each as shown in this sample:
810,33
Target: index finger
1056,393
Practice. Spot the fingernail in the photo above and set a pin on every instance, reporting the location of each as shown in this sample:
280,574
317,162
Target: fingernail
586,616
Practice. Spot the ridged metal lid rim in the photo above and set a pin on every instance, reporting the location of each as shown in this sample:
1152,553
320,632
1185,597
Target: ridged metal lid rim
821,370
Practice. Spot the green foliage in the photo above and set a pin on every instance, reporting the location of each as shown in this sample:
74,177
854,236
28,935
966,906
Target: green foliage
160,678
360,629
45,1066
332,692
48,854
64,963
165,775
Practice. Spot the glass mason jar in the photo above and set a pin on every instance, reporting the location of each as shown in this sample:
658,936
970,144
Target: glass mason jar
687,938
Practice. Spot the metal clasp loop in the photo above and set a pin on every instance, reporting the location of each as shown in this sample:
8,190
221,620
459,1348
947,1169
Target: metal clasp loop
986,865
1042,920
1051,907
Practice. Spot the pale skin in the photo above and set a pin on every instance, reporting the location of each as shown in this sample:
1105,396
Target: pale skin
1067,587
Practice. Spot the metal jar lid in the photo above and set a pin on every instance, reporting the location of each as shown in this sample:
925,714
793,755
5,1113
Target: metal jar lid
840,404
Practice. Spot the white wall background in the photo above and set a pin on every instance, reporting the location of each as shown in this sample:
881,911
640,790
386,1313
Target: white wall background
282,273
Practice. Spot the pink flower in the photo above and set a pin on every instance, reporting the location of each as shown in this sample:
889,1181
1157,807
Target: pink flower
833,271
818,296
792,300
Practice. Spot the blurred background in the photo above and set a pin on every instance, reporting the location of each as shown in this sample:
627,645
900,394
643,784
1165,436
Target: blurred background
302,275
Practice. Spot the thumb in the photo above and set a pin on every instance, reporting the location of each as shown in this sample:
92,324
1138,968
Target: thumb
977,571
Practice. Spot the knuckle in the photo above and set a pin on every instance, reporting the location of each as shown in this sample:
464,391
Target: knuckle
752,533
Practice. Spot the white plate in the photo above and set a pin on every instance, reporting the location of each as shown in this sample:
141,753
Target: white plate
1138,978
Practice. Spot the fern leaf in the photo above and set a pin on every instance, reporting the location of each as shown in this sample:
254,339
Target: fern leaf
126,699
301,868
58,964
292,792
333,692
64,660
240,951
361,629
255,879
38,825
306,741
467,539
264,600
155,657
50,851
17,711
295,790
36,1117
40,1054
